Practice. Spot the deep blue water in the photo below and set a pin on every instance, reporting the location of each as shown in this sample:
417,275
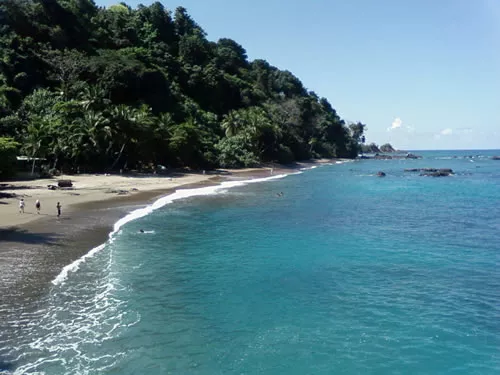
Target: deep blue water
347,273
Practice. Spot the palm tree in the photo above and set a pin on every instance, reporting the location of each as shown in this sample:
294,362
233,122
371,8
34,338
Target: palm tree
128,122
312,143
33,140
94,97
87,134
231,123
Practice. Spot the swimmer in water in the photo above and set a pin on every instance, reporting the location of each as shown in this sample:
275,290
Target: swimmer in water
141,230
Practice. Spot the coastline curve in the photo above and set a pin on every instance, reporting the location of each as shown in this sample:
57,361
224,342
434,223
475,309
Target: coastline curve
159,203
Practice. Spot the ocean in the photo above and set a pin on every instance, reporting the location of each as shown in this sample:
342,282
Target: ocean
345,273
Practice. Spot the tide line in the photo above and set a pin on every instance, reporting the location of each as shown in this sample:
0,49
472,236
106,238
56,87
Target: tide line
161,202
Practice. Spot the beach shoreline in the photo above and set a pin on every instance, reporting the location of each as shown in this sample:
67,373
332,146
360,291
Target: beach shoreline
35,248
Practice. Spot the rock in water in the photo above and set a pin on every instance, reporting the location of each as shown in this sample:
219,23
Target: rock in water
437,172
432,171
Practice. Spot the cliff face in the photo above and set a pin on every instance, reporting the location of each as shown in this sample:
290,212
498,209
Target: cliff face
372,148
387,148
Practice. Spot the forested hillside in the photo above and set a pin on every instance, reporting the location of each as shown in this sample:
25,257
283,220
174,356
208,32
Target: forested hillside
110,88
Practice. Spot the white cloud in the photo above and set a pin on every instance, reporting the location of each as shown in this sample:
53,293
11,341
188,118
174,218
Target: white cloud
447,131
395,124
398,124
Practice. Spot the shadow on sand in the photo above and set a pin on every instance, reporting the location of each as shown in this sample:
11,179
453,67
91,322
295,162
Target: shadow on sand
27,237
4,195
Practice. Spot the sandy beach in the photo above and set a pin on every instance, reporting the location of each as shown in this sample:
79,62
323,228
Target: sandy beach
35,247
98,189
101,190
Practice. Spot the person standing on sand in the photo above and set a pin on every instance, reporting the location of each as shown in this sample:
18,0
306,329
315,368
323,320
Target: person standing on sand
37,205
58,206
21,206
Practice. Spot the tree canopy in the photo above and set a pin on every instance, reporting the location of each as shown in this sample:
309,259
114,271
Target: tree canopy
109,88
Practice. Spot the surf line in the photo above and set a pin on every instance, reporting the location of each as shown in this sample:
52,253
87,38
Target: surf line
161,202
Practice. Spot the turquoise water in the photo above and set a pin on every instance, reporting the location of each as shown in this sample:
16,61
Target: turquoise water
347,273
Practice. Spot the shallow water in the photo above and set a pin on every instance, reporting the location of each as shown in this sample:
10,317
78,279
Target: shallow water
347,273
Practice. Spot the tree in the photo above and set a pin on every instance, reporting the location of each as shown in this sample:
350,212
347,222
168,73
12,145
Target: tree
184,24
236,152
107,87
232,123
357,131
91,137
187,144
8,153
34,140
94,97
230,56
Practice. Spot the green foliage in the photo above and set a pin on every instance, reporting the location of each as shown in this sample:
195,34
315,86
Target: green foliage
237,151
8,153
110,88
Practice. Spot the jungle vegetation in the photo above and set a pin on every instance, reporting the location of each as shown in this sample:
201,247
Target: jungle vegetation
101,89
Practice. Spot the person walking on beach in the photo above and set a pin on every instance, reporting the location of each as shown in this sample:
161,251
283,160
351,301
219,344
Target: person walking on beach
58,206
21,206
37,205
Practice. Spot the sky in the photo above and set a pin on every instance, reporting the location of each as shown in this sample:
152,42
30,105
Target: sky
421,74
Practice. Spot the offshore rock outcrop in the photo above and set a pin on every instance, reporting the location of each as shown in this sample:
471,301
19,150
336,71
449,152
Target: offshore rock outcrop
432,172
387,157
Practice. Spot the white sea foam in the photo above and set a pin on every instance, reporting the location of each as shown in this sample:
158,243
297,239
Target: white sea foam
308,168
161,202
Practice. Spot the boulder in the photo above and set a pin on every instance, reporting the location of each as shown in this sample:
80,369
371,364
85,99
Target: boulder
64,183
445,170
437,173
431,171
382,157
412,156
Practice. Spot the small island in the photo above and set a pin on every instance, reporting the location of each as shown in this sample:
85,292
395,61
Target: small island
386,151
